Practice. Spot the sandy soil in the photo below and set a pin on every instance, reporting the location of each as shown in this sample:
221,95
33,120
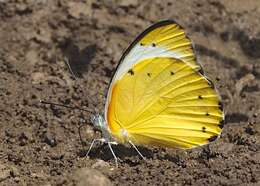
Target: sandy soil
40,145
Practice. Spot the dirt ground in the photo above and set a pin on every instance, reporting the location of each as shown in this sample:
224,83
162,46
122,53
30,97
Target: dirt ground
40,144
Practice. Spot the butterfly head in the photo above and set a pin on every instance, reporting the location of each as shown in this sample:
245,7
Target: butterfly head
98,122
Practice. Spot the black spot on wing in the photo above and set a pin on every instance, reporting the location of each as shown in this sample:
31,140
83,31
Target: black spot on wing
220,105
207,114
212,138
221,124
200,97
172,73
153,44
131,72
141,44
149,74
203,129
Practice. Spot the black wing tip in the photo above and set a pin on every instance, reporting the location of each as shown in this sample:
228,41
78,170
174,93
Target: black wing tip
164,22
212,138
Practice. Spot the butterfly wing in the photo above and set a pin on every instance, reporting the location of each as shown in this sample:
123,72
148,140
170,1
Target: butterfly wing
167,103
163,39
158,95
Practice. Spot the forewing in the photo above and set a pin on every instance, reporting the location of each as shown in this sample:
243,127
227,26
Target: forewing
163,39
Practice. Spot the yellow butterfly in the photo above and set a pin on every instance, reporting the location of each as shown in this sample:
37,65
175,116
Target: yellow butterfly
159,95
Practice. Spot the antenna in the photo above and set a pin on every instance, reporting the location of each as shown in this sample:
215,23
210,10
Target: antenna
70,69
66,106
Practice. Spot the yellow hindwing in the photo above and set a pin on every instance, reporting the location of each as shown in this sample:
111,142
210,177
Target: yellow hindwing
164,102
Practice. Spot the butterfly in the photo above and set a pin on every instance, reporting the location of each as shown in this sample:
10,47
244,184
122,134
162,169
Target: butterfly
159,95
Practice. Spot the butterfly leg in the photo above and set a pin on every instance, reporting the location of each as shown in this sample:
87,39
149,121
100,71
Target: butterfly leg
137,150
110,147
93,142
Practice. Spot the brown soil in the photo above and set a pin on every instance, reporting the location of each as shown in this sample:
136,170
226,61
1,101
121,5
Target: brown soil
40,145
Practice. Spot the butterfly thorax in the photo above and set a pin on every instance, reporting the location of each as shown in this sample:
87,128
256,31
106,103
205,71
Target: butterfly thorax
100,124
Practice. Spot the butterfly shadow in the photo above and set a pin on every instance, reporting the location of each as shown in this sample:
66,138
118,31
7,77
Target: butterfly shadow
78,59
124,153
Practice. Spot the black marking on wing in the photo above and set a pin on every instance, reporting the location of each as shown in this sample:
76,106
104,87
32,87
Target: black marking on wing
131,72
212,138
221,124
220,105
211,84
